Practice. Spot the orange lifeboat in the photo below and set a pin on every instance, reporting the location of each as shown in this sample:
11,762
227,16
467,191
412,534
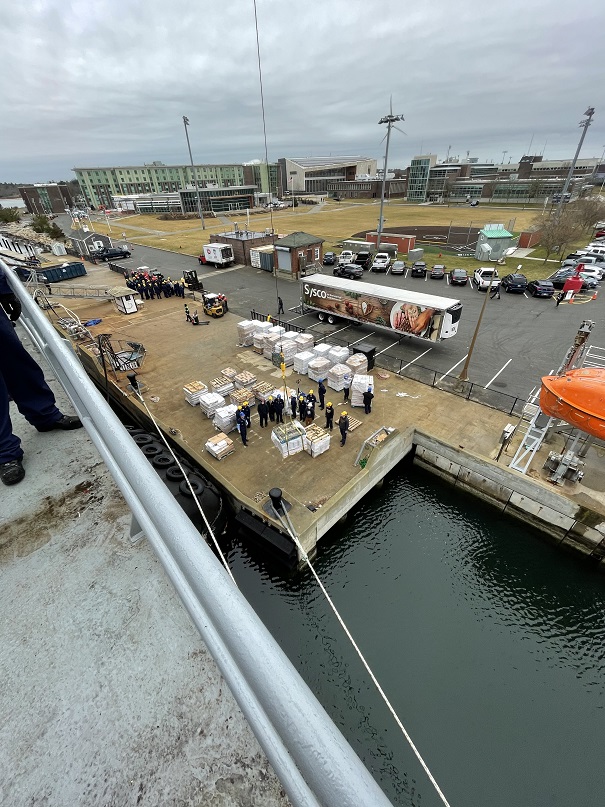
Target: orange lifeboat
578,398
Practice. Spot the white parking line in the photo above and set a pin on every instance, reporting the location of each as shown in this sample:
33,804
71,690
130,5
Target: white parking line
339,330
358,340
405,366
454,367
295,318
386,348
498,373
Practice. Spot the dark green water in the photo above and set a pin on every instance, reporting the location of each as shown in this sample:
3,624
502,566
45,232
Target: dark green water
488,642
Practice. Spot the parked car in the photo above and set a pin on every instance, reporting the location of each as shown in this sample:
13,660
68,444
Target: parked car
398,268
111,253
458,277
329,259
418,269
438,272
350,270
346,256
514,282
381,262
559,278
540,288
594,271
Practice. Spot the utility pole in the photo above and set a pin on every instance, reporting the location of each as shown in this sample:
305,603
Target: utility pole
504,153
390,121
584,126
197,188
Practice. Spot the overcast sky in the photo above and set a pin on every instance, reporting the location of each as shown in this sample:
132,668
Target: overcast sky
106,82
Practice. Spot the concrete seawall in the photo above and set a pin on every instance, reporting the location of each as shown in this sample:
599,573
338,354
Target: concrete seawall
564,521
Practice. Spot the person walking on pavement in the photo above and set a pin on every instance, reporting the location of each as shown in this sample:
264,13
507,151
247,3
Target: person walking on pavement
271,405
321,391
329,416
22,379
279,409
343,425
263,413
187,314
367,400
347,385
495,292
243,428
560,297
280,306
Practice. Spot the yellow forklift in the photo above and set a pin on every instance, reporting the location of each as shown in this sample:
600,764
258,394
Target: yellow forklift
214,305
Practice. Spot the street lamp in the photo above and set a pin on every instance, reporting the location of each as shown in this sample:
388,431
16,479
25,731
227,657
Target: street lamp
197,189
584,126
390,121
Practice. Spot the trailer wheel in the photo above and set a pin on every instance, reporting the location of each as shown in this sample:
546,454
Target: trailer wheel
321,317
331,319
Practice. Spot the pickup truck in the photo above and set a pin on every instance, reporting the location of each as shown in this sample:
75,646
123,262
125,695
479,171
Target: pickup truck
486,277
381,262
346,256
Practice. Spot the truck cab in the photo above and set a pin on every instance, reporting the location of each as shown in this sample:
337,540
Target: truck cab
486,277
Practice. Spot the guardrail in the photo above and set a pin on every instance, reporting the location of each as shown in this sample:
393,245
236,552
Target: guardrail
313,761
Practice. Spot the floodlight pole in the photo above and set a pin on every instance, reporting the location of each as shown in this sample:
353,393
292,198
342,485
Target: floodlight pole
197,188
584,124
390,121
464,372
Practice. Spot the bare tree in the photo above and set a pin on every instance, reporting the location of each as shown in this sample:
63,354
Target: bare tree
556,235
587,212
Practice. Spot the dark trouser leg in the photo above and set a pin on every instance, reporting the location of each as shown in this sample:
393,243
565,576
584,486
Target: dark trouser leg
343,438
24,379
10,445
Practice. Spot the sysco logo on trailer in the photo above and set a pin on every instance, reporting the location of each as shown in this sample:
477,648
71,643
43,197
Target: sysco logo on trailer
311,292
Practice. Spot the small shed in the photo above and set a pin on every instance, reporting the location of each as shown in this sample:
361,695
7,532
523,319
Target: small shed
492,242
81,242
404,243
242,241
125,300
295,252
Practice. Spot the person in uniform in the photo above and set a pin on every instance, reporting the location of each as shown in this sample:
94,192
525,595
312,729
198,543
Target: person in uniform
243,428
343,425
347,385
187,314
293,405
310,416
263,413
321,391
367,400
280,306
329,416
279,409
246,411
271,406
22,379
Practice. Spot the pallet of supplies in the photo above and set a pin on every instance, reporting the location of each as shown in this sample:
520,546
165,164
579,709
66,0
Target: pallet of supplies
358,363
210,402
322,350
318,369
301,361
229,373
359,386
225,418
288,438
193,390
245,379
338,354
304,341
316,440
269,344
245,332
262,327
277,330
220,446
336,376
240,396
222,385
287,350
262,390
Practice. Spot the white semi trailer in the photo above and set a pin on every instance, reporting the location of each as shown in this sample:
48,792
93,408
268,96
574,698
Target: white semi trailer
410,313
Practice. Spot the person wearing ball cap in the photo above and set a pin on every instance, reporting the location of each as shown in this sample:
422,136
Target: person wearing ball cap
329,416
343,425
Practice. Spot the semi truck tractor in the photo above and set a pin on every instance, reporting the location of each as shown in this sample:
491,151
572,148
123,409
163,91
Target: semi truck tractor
397,311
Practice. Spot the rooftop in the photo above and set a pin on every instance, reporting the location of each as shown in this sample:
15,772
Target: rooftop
299,239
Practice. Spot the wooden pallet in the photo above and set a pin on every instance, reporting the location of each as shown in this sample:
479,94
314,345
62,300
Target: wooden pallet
354,424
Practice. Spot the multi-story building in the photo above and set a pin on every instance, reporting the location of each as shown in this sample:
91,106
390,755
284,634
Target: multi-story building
100,184
52,197
312,174
419,174
213,200
265,176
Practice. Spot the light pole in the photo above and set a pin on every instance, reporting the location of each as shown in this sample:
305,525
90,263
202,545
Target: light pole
197,189
390,121
584,126
464,372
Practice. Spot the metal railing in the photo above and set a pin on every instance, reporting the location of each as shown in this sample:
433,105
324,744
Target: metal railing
313,761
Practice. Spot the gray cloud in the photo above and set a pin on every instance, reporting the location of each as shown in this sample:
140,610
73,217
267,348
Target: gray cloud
108,81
